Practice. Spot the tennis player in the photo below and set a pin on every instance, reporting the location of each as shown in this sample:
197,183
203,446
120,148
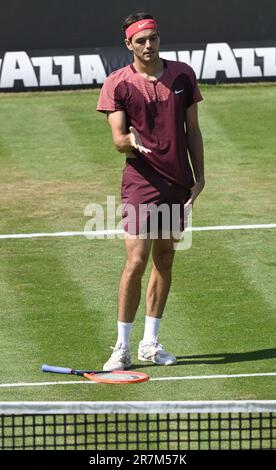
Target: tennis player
151,107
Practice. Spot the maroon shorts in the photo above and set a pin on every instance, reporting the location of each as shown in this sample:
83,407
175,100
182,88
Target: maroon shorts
149,202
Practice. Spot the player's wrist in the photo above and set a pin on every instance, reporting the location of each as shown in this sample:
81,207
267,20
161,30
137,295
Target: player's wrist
123,143
131,141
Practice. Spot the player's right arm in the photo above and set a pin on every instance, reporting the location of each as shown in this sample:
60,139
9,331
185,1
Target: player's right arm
121,139
124,142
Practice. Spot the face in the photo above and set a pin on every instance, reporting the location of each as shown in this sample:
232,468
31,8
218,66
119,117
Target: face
145,45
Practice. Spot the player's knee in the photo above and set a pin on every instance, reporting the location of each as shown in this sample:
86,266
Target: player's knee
164,261
136,266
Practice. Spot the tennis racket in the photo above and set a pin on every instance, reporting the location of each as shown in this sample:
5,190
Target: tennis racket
102,376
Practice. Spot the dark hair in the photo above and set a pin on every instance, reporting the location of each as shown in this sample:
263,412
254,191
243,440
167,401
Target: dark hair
136,17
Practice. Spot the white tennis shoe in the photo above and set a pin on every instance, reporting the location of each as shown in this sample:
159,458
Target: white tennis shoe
156,353
120,359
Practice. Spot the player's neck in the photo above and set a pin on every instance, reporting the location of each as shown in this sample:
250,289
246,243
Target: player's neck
149,70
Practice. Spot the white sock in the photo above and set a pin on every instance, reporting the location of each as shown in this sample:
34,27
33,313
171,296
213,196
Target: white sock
151,329
124,331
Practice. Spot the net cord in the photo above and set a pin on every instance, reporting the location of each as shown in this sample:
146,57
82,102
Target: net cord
124,407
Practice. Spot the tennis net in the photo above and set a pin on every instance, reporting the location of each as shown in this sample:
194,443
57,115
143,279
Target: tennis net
207,425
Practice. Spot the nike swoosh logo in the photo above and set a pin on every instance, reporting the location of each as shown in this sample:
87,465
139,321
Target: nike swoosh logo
178,91
142,25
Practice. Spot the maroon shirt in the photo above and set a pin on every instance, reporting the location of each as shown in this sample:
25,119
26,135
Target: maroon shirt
157,110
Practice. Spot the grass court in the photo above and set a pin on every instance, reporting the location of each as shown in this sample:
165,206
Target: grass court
59,294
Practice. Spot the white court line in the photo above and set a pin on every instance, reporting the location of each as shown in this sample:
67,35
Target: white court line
220,376
154,379
45,384
97,233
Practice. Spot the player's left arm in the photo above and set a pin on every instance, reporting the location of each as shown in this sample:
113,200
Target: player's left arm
196,151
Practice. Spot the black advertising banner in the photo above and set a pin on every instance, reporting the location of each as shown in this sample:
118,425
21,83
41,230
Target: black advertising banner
87,68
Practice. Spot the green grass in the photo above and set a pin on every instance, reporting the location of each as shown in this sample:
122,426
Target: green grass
58,295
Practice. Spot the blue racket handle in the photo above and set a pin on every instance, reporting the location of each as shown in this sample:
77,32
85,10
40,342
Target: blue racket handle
58,370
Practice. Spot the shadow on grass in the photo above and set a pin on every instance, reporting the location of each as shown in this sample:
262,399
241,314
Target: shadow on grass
227,358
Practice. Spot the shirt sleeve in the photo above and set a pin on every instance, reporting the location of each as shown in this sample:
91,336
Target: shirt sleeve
110,98
194,95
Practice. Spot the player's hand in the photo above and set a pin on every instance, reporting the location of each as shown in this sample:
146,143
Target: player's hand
195,191
136,141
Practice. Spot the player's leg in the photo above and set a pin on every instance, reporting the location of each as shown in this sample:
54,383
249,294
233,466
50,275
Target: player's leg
160,277
157,293
129,294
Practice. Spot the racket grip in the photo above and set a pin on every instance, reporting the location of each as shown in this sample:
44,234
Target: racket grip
57,370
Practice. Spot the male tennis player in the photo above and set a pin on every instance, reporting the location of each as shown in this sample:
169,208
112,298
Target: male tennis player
151,106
